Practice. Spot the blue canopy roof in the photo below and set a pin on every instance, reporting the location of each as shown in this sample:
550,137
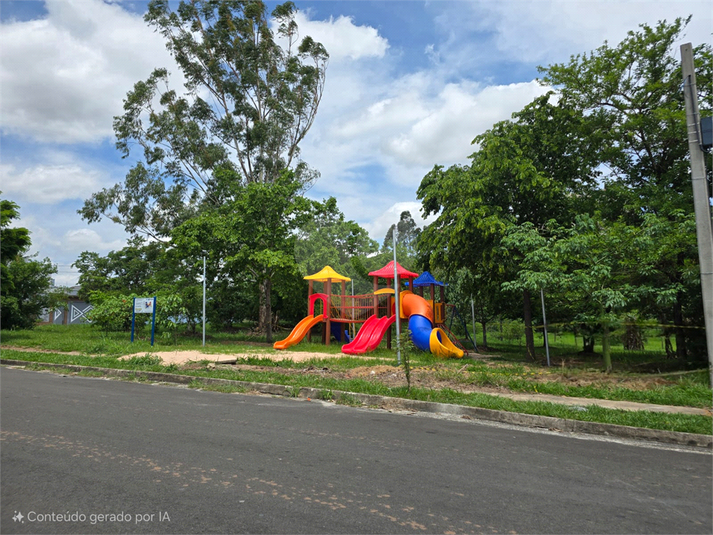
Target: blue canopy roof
426,279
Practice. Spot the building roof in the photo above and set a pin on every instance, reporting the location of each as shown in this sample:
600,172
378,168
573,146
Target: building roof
327,273
426,279
387,272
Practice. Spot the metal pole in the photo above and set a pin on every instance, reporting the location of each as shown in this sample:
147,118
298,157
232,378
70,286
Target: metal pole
204,301
472,317
153,321
133,319
396,305
544,323
701,196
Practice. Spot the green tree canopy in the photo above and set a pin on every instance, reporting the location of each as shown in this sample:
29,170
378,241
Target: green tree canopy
25,283
609,140
407,233
250,97
515,178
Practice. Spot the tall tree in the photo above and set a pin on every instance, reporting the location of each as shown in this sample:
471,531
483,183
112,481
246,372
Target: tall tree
25,283
407,233
528,170
633,90
586,261
328,238
250,98
250,238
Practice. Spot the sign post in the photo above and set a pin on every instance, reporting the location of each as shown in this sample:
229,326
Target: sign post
144,305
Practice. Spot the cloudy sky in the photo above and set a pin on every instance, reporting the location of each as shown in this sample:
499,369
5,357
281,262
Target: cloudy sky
409,85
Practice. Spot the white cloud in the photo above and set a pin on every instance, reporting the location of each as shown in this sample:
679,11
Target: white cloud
412,124
66,277
343,39
454,118
545,32
50,183
85,239
59,233
64,77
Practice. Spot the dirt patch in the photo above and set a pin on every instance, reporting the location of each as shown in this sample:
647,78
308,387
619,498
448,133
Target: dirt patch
183,357
373,371
38,350
432,377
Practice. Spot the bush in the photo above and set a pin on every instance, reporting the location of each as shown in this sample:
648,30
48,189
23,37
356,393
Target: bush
112,312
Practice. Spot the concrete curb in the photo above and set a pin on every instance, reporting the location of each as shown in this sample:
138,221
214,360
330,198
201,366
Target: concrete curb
370,400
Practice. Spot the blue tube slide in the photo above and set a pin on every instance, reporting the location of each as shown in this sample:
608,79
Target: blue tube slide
420,327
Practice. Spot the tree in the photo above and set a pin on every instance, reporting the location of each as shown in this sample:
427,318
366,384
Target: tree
14,240
666,273
251,237
633,90
327,238
528,170
26,283
126,271
407,233
142,268
250,98
611,141
587,261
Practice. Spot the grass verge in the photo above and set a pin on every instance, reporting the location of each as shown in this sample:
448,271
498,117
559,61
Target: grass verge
651,420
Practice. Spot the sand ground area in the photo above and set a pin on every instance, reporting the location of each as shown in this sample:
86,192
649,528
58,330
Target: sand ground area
184,357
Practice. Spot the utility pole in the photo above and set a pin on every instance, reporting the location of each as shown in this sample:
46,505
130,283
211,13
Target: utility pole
701,195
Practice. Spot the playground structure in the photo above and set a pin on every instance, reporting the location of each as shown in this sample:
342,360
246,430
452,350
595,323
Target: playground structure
376,312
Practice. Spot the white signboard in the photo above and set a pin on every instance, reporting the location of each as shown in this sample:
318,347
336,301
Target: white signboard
143,305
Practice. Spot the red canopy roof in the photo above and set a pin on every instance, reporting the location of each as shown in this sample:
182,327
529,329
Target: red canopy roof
387,272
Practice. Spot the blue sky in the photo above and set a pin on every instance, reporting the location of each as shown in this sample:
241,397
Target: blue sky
409,85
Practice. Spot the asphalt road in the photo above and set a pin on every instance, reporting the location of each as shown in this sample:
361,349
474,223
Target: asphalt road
82,455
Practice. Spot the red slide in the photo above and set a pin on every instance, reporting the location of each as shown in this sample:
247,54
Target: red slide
369,336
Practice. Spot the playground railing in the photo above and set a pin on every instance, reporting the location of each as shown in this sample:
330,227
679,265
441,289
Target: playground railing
355,309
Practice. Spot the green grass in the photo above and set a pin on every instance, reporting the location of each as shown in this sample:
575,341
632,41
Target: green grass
225,389
665,421
654,341
92,341
691,390
509,371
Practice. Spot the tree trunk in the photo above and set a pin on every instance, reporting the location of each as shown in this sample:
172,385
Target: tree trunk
680,335
587,344
265,318
529,337
606,349
669,347
485,335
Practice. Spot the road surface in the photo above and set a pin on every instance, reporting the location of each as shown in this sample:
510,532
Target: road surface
86,455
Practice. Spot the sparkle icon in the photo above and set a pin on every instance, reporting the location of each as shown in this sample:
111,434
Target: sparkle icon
18,517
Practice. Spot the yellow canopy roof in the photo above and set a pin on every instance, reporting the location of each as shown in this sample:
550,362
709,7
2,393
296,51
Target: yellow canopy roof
326,274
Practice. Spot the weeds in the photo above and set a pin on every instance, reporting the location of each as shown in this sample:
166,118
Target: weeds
407,351
349,400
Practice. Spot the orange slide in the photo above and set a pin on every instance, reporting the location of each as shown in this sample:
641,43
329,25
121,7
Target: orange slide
299,332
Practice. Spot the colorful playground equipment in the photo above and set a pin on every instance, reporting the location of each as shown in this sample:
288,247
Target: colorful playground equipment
376,312
327,276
